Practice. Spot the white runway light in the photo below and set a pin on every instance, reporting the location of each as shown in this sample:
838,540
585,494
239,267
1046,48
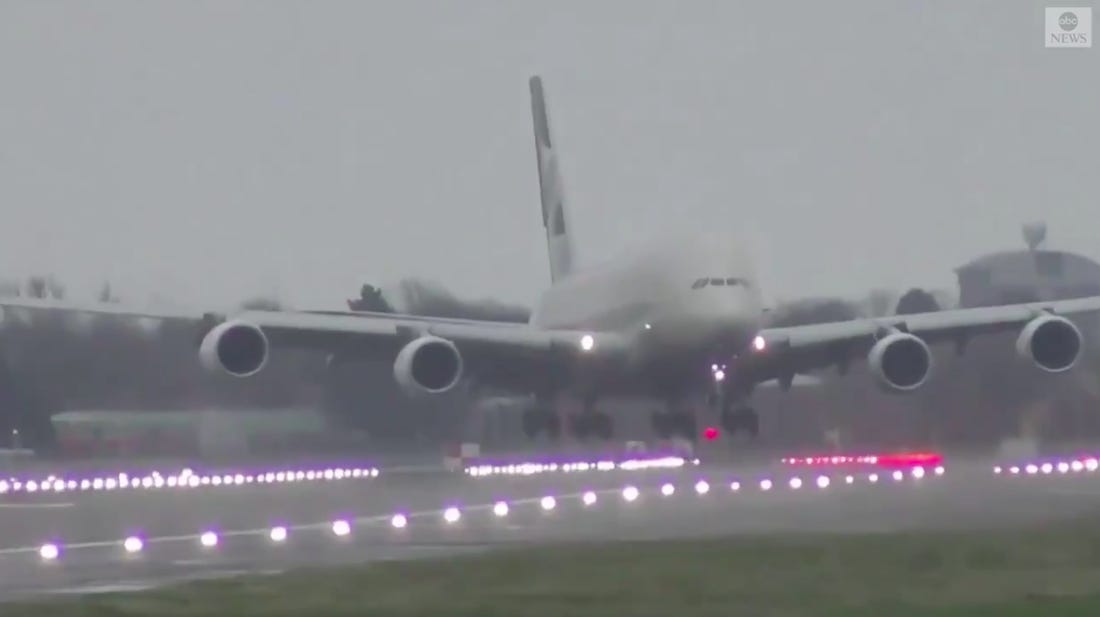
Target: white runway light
701,487
49,552
873,478
341,528
588,498
667,490
209,539
399,521
765,485
500,509
1031,469
133,544
939,471
849,480
795,483
822,482
277,534
735,486
1091,464
630,493
898,476
451,515
918,472
548,503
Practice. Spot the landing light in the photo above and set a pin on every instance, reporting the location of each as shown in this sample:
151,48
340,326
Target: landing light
341,528
49,552
758,343
133,544
587,342
719,375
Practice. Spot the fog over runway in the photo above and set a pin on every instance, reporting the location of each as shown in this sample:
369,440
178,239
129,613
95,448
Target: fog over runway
89,529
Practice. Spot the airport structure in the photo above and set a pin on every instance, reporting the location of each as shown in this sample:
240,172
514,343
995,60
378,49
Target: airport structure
1031,275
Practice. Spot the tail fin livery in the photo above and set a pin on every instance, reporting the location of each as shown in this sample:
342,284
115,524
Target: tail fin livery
558,241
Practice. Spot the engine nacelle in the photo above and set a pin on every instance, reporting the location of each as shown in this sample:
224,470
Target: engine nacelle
428,365
234,347
1053,343
900,362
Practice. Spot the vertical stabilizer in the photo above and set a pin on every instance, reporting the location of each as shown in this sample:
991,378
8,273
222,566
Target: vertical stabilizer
558,242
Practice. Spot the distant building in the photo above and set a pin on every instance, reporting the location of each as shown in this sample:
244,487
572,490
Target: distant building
1032,275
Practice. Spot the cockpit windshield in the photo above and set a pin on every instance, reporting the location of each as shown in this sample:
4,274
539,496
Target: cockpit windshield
719,282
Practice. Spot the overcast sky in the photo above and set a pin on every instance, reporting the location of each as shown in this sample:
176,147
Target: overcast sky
210,150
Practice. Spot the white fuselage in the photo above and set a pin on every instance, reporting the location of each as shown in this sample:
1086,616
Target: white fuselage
656,297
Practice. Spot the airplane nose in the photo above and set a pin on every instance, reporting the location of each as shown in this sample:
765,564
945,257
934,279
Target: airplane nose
724,325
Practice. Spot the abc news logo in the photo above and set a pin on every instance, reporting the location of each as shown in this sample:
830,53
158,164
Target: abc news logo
1069,27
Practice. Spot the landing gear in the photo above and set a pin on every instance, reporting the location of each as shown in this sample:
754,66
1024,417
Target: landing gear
669,424
541,420
736,420
591,424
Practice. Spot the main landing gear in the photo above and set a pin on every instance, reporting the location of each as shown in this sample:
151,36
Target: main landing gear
733,418
740,419
669,424
582,426
539,420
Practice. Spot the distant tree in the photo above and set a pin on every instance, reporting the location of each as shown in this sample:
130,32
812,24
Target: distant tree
814,311
917,300
37,287
262,304
54,288
370,300
106,295
878,302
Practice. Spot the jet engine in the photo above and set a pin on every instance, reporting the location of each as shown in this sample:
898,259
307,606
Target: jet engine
900,362
234,347
428,365
1053,343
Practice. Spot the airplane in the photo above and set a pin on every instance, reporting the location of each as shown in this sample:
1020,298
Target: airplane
680,318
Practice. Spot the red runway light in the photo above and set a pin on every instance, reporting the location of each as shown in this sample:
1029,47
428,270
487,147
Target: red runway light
710,433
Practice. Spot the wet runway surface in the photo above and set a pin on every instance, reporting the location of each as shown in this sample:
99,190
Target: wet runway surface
89,528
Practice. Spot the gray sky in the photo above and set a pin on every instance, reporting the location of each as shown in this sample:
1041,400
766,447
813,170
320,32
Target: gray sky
211,150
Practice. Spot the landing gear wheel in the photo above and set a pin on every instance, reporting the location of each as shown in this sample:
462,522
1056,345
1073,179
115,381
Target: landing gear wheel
603,426
745,419
661,422
580,425
552,424
591,424
532,424
536,421
686,425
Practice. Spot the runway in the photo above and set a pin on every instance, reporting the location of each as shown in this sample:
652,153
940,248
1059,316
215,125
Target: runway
354,521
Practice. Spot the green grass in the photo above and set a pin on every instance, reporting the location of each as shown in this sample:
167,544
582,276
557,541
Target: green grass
1048,573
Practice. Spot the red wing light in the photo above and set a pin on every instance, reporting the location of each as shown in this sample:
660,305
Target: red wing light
710,433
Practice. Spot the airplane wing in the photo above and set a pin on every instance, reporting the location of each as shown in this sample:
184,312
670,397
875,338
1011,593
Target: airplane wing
512,349
800,349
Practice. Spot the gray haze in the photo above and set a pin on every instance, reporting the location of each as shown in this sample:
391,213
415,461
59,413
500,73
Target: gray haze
213,150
